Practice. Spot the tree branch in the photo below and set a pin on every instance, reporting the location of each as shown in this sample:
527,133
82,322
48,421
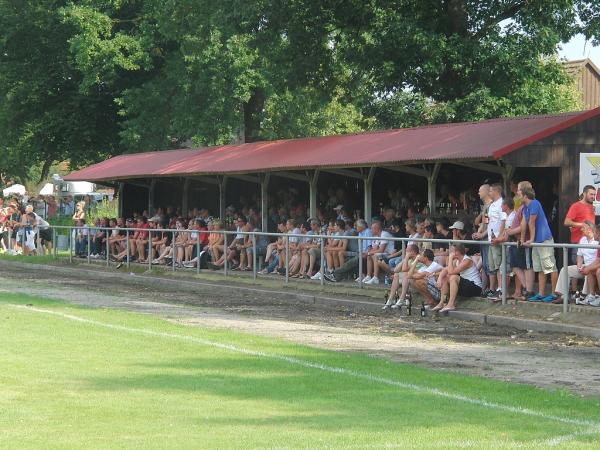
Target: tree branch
506,14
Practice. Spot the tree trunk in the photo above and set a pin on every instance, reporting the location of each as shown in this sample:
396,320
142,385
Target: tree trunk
252,115
45,170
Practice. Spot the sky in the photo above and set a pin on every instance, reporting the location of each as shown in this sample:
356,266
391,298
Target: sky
578,48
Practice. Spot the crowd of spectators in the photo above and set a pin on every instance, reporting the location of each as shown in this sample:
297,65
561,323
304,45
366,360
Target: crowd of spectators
441,272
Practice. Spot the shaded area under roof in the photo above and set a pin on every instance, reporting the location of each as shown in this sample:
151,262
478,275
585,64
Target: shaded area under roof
489,139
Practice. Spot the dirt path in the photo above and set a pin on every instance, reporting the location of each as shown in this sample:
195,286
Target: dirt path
550,361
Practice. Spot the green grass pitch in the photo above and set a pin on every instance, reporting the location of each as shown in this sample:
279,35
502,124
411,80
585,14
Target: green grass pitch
74,377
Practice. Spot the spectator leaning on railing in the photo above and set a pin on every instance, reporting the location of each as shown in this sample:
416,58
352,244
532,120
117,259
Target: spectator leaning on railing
544,263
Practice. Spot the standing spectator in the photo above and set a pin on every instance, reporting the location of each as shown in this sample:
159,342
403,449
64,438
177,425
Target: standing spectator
497,221
534,220
482,221
520,257
580,212
79,211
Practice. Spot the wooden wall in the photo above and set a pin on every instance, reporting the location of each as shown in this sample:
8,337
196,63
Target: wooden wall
561,150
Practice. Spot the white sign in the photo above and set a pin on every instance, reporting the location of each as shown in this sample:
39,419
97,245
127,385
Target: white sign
589,173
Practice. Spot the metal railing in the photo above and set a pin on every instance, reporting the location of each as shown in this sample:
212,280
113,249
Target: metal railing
320,238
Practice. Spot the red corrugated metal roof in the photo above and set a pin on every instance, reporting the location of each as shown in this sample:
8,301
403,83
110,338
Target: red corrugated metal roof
458,141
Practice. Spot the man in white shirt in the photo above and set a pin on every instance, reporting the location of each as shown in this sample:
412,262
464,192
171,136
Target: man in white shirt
497,221
585,257
424,279
380,248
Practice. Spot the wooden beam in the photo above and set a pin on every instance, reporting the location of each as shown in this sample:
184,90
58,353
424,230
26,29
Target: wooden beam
345,173
291,176
409,170
205,179
481,166
247,178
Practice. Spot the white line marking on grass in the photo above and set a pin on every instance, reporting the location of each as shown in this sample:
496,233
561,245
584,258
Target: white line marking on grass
592,427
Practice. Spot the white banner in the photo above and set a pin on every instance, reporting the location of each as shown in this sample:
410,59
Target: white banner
589,173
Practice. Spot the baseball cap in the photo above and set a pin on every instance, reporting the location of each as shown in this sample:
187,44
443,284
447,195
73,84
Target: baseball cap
458,225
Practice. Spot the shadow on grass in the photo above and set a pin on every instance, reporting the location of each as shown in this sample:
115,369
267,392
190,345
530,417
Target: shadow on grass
321,400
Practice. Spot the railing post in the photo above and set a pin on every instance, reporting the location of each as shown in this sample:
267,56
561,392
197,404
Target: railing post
70,245
287,260
254,258
566,286
107,249
198,253
88,246
360,263
322,261
149,255
503,273
127,247
173,252
54,242
225,251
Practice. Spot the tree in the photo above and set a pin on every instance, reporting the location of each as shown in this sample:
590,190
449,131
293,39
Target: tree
480,59
44,114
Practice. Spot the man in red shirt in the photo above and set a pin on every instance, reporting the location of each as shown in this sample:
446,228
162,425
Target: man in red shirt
578,213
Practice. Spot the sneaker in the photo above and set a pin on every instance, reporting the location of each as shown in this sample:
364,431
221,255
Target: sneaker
535,298
398,304
316,276
366,279
359,279
492,295
595,302
588,299
549,298
189,265
329,277
485,293
387,305
579,299
373,280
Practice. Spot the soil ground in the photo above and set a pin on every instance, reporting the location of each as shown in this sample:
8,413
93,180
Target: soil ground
545,360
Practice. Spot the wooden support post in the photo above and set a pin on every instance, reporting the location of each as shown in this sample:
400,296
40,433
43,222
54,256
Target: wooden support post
151,197
368,181
120,198
313,182
264,201
185,199
222,196
431,185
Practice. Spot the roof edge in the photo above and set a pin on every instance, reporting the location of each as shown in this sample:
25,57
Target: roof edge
547,132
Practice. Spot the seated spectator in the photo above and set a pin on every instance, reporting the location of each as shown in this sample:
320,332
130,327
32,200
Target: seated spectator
380,249
585,258
424,279
312,249
335,250
400,278
460,278
351,265
81,237
272,252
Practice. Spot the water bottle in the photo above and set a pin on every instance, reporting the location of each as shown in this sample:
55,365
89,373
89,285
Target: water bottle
423,312
386,280
408,303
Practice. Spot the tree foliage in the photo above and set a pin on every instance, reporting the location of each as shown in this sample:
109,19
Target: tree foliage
82,80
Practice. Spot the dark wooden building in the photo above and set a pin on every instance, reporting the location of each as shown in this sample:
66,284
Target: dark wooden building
587,76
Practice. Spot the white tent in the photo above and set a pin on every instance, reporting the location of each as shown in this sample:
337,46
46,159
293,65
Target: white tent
48,189
14,189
